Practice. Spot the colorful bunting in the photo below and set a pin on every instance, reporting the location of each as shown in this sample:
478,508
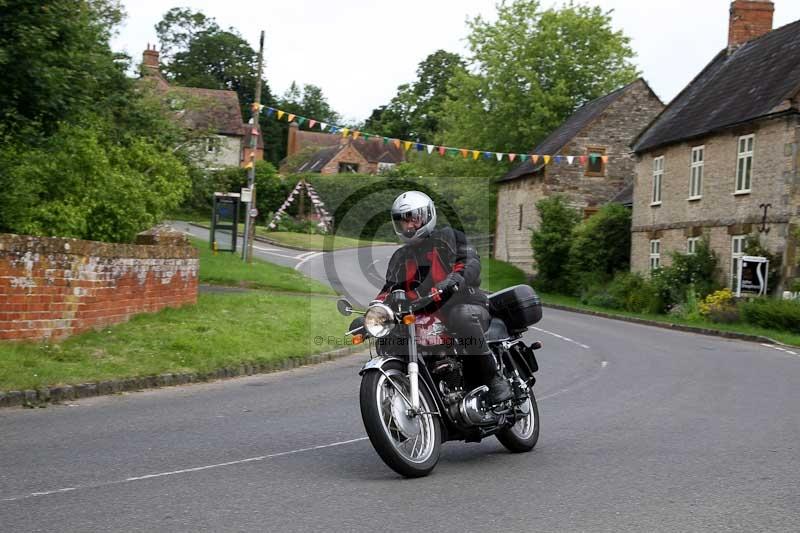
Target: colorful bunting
442,150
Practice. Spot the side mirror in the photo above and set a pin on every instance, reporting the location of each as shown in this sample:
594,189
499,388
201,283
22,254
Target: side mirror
344,307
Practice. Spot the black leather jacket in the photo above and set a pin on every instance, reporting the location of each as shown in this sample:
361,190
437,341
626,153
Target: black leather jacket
418,267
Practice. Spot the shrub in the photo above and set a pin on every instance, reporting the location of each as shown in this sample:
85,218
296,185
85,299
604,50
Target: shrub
552,241
601,245
720,306
773,314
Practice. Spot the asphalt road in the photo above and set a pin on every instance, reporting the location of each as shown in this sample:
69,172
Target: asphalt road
642,429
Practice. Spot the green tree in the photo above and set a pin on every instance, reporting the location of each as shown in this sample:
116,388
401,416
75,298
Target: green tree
601,245
55,60
83,153
414,113
529,70
551,242
178,28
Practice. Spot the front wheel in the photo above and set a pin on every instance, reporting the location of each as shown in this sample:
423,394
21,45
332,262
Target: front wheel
522,436
409,445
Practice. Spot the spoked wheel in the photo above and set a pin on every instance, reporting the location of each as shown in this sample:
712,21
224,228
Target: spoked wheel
410,445
522,436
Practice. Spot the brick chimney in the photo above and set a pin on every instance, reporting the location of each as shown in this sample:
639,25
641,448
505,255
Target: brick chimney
291,143
150,66
749,19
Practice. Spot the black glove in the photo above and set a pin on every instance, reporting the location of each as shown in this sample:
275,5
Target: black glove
449,283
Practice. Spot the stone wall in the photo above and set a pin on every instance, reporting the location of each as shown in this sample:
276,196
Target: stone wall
51,288
719,213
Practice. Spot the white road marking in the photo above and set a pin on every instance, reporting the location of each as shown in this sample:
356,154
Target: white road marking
567,339
307,258
183,471
779,348
271,251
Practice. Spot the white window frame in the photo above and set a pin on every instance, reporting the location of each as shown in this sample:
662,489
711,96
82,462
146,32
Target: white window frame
658,175
691,245
696,169
737,252
745,148
655,254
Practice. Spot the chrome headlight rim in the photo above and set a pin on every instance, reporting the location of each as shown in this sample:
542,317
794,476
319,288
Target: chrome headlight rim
379,320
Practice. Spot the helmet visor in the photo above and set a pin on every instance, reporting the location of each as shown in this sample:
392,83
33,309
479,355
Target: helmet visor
409,222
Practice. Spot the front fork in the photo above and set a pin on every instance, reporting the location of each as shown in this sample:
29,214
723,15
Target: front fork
413,369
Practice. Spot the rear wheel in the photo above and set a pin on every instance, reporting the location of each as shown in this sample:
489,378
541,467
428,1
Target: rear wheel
523,435
409,445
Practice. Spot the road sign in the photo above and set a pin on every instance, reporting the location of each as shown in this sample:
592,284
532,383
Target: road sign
247,195
254,212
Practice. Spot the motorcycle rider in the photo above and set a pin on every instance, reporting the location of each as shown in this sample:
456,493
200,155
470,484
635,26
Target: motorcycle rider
441,259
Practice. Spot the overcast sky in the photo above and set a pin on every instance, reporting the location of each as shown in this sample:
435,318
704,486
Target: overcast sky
359,51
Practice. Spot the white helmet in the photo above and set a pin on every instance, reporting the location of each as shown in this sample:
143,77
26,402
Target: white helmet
417,206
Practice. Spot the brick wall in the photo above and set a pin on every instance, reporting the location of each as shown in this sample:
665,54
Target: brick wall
51,288
719,213
349,155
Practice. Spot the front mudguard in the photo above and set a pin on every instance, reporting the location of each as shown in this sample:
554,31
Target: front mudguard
376,363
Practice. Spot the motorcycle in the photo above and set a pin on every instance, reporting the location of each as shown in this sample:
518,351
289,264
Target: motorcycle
416,392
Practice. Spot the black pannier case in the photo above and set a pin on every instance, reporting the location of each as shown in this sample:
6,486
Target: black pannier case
518,306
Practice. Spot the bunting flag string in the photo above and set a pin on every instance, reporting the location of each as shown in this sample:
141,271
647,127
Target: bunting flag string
407,145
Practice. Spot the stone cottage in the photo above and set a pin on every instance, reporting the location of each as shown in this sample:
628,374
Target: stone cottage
601,130
721,161
328,153
215,115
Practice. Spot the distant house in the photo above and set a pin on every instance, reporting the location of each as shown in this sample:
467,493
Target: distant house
603,127
721,161
327,153
215,115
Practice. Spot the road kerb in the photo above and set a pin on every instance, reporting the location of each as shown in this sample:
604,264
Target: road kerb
52,395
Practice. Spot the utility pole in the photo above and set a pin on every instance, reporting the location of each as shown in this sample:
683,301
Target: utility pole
249,221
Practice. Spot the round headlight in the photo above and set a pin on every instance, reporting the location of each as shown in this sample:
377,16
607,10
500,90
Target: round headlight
379,320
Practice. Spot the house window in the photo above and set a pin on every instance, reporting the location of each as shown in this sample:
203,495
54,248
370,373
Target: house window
655,254
696,177
385,167
737,252
594,162
658,173
691,245
212,144
348,168
519,227
744,164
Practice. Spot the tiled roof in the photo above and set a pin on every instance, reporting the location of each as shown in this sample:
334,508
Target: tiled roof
319,159
209,109
757,79
563,134
376,151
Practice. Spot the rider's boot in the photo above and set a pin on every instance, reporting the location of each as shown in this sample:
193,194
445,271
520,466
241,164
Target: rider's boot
499,389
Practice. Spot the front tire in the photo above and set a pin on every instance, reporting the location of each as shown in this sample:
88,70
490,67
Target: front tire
523,435
408,445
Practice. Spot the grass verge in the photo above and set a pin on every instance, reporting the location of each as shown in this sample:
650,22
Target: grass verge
221,330
497,275
228,269
310,241
573,302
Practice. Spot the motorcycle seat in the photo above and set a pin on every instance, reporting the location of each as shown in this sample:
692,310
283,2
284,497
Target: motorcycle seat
497,331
